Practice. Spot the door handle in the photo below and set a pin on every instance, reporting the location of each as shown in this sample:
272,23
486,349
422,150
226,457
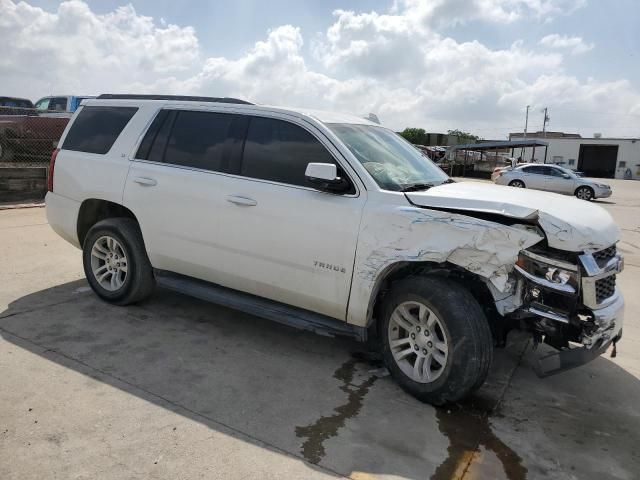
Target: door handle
147,182
241,200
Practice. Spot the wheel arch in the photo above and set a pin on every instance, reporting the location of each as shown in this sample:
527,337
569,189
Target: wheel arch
401,270
94,210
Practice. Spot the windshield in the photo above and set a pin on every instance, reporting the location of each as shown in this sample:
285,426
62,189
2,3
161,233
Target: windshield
393,162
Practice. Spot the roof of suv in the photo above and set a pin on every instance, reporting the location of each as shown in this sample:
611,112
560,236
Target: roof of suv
319,115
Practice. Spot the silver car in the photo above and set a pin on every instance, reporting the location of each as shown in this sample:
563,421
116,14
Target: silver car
551,178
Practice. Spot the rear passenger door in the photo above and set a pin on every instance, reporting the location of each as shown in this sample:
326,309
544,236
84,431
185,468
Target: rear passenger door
174,187
533,177
281,238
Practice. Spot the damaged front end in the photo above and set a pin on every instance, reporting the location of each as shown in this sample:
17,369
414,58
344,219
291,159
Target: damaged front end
570,302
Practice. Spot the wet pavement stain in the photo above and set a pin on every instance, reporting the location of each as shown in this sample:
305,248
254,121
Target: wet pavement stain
466,425
326,427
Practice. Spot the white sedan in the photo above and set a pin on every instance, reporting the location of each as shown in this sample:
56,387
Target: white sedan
551,178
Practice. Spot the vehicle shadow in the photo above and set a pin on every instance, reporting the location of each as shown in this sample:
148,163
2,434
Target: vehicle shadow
314,398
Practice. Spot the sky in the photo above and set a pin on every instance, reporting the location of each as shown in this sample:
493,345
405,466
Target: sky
472,65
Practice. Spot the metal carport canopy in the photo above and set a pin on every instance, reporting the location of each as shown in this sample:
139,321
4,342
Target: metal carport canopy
497,145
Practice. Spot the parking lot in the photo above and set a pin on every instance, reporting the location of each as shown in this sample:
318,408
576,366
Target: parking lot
179,388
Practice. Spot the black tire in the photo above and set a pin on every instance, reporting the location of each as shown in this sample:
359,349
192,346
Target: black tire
517,184
470,343
139,281
6,152
585,193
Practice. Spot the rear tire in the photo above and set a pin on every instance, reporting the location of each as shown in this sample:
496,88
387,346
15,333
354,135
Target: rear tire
115,262
6,153
585,193
517,184
436,340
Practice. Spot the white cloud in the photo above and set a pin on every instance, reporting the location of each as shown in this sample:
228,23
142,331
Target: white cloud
76,49
574,44
397,64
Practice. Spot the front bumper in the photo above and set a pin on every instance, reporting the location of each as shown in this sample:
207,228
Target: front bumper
582,326
609,321
602,192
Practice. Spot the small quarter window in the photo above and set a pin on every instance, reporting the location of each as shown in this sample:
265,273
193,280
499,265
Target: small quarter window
96,129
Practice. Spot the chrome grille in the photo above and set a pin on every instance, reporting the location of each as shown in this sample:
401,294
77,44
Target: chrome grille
603,256
605,287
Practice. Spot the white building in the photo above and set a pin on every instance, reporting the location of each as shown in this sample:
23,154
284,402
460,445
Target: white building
596,157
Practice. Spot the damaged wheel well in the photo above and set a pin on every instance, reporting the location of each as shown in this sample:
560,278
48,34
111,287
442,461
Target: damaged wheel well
471,282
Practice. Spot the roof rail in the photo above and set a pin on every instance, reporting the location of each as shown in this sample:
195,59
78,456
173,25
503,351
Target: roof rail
184,98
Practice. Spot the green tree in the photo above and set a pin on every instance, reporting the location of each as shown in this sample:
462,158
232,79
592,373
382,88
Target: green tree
416,136
464,137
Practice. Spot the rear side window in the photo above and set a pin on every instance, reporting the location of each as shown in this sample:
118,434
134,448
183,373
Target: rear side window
205,140
200,140
96,129
280,151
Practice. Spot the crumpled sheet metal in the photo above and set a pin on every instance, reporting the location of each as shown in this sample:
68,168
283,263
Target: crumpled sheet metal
485,248
581,238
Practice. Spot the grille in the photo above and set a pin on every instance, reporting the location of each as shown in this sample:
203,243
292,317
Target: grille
605,287
603,256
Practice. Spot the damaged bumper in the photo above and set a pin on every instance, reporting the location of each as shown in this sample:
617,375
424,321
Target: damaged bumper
609,321
574,307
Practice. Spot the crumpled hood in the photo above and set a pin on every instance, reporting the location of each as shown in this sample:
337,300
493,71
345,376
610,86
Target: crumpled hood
569,224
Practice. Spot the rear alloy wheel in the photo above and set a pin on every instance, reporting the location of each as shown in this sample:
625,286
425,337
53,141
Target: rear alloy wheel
116,263
517,183
585,193
109,263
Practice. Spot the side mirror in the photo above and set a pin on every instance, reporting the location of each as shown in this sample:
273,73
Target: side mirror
566,175
324,177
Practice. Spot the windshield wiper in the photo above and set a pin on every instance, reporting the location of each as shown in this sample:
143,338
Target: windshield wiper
414,187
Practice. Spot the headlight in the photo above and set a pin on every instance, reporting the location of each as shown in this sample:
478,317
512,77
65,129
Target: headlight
602,185
548,272
557,275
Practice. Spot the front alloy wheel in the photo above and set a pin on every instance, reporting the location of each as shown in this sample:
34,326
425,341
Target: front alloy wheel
584,193
418,343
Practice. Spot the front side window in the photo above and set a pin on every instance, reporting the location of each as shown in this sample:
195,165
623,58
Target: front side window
280,151
393,162
96,129
535,170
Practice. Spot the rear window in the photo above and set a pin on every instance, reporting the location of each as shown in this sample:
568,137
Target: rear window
96,129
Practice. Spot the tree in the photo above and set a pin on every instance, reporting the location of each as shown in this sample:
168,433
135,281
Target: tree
416,136
464,137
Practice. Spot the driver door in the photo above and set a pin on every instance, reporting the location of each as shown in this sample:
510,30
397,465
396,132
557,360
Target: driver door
280,238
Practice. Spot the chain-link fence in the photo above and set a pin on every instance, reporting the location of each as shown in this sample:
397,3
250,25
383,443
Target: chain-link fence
27,139
28,136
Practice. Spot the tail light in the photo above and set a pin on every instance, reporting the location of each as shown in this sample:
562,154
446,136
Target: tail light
52,165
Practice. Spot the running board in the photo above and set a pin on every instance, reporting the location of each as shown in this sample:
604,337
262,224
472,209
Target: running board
258,306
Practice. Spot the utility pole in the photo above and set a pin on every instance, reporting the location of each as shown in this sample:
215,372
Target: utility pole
544,123
526,125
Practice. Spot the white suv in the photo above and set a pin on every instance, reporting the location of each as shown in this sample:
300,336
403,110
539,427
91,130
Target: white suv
332,223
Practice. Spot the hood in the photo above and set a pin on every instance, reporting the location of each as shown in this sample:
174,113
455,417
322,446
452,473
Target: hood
569,224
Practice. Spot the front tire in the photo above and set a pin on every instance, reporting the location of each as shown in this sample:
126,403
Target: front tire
585,193
517,184
436,340
115,262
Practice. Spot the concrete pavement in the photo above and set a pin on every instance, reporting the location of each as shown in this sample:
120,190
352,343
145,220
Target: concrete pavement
178,388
